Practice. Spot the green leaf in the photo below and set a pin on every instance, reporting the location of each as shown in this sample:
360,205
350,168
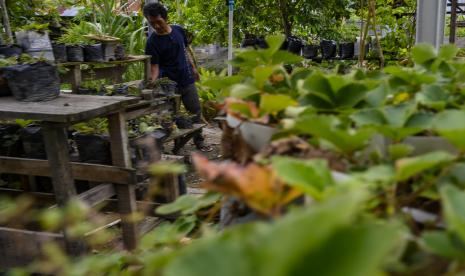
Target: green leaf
398,151
440,243
453,202
433,96
188,204
368,117
164,168
377,96
350,95
309,176
274,43
359,251
329,128
409,167
262,73
272,104
448,52
422,53
282,244
450,124
242,91
285,57
223,82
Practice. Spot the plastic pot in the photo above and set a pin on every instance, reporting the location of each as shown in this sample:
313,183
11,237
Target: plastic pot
295,45
75,53
10,142
248,42
328,49
256,135
310,51
10,50
93,148
33,142
4,89
33,82
119,52
261,43
93,53
59,51
346,50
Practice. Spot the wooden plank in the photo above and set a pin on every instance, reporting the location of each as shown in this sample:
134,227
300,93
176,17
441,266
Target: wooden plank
56,146
148,224
64,109
150,109
126,193
96,195
80,171
112,73
20,247
130,59
184,132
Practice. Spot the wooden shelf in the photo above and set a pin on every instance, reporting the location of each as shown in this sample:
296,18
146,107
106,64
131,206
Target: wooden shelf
130,59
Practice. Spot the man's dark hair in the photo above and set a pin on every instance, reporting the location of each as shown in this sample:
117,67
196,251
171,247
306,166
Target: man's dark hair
155,9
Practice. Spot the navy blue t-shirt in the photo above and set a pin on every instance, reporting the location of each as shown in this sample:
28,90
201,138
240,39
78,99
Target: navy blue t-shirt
169,52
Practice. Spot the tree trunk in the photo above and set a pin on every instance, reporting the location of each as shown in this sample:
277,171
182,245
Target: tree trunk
284,10
6,21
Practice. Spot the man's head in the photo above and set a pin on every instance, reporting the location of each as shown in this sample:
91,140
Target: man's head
157,16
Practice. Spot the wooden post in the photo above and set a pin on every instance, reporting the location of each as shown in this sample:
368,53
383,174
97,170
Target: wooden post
126,193
453,21
6,22
76,78
148,70
56,146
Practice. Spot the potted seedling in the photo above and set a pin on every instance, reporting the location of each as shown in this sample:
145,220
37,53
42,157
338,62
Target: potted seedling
93,142
163,87
311,49
10,142
294,45
112,49
347,41
34,39
32,80
32,139
4,89
74,39
7,51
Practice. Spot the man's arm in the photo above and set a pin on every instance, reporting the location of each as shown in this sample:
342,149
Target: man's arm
190,57
154,72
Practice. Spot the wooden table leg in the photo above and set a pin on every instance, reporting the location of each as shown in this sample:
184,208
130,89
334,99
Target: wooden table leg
126,193
56,146
147,70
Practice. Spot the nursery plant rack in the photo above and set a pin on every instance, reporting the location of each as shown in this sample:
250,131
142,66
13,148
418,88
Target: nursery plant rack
55,116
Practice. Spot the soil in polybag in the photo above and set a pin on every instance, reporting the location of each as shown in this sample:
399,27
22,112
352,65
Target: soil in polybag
310,51
328,49
10,142
33,82
59,52
10,50
346,50
33,142
93,53
119,52
75,53
93,148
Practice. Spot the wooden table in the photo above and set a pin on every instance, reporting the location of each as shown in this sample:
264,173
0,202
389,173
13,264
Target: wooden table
55,116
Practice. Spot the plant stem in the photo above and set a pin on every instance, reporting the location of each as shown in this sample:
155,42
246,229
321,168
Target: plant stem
372,7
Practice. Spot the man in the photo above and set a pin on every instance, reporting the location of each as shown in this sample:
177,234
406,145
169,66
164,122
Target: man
170,58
